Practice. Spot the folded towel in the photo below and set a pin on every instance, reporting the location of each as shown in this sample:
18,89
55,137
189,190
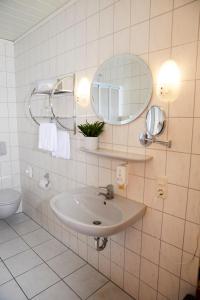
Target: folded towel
44,86
47,137
63,145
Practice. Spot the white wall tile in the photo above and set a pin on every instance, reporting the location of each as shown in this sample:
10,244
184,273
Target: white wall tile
146,292
106,48
117,254
168,284
132,263
106,21
176,201
92,7
178,3
152,222
185,24
160,32
151,198
140,10
122,41
149,273
174,237
156,167
117,274
193,207
185,57
105,3
104,265
134,191
180,142
190,266
186,289
133,240
139,45
92,28
150,248
195,172
197,100
178,168
131,284
170,258
196,136
160,7
191,238
184,104
122,14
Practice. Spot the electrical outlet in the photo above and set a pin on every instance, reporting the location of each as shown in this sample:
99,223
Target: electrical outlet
161,187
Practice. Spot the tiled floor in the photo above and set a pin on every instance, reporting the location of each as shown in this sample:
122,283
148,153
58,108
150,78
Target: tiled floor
34,265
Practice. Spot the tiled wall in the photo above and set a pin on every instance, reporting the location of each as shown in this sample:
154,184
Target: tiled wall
9,163
154,258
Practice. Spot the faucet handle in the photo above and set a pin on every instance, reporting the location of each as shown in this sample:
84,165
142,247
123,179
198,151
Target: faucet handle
109,191
108,187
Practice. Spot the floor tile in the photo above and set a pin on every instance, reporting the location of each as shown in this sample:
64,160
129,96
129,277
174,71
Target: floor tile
23,262
50,249
37,280
37,237
12,247
66,263
7,234
110,291
85,281
3,225
11,291
17,218
59,291
4,274
25,227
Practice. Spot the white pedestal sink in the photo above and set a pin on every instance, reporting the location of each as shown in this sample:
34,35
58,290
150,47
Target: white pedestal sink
83,210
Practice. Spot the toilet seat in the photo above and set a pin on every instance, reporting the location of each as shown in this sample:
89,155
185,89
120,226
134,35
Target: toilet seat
9,196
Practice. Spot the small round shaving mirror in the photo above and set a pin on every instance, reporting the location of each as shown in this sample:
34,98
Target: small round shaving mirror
155,124
155,121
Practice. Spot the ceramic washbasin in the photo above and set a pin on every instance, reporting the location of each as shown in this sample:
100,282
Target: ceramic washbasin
85,211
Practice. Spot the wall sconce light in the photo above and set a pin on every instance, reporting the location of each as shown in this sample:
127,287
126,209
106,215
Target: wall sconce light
168,81
83,92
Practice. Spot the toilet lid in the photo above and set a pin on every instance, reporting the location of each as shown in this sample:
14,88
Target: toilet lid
9,196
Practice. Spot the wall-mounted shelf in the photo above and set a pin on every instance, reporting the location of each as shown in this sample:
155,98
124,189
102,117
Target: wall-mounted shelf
52,88
131,157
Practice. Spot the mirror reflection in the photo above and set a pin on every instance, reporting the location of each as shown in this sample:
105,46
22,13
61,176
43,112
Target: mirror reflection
121,89
155,120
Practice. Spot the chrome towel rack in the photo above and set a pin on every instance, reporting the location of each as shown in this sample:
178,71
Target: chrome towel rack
59,87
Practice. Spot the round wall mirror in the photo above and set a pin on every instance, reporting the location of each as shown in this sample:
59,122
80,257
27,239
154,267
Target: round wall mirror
121,89
155,120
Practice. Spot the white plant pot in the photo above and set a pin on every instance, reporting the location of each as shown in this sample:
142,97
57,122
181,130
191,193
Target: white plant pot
90,143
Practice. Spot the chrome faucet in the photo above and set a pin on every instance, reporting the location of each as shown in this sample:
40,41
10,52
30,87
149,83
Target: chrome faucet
109,191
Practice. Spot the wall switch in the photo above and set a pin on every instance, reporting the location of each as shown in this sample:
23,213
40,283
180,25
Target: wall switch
3,150
161,189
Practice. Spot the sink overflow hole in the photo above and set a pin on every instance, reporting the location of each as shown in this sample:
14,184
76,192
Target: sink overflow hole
97,222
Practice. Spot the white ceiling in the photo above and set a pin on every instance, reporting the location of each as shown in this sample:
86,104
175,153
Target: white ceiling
18,16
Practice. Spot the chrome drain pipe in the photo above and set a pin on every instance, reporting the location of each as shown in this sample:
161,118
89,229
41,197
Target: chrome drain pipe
100,243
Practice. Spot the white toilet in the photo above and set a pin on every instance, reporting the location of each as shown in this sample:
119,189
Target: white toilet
9,202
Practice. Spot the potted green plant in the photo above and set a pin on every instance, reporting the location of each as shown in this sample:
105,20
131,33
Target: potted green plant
91,133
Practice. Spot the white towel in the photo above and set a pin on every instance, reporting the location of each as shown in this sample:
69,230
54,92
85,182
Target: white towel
47,137
63,145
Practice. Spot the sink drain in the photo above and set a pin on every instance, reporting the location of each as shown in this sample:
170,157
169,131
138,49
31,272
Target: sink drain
96,222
